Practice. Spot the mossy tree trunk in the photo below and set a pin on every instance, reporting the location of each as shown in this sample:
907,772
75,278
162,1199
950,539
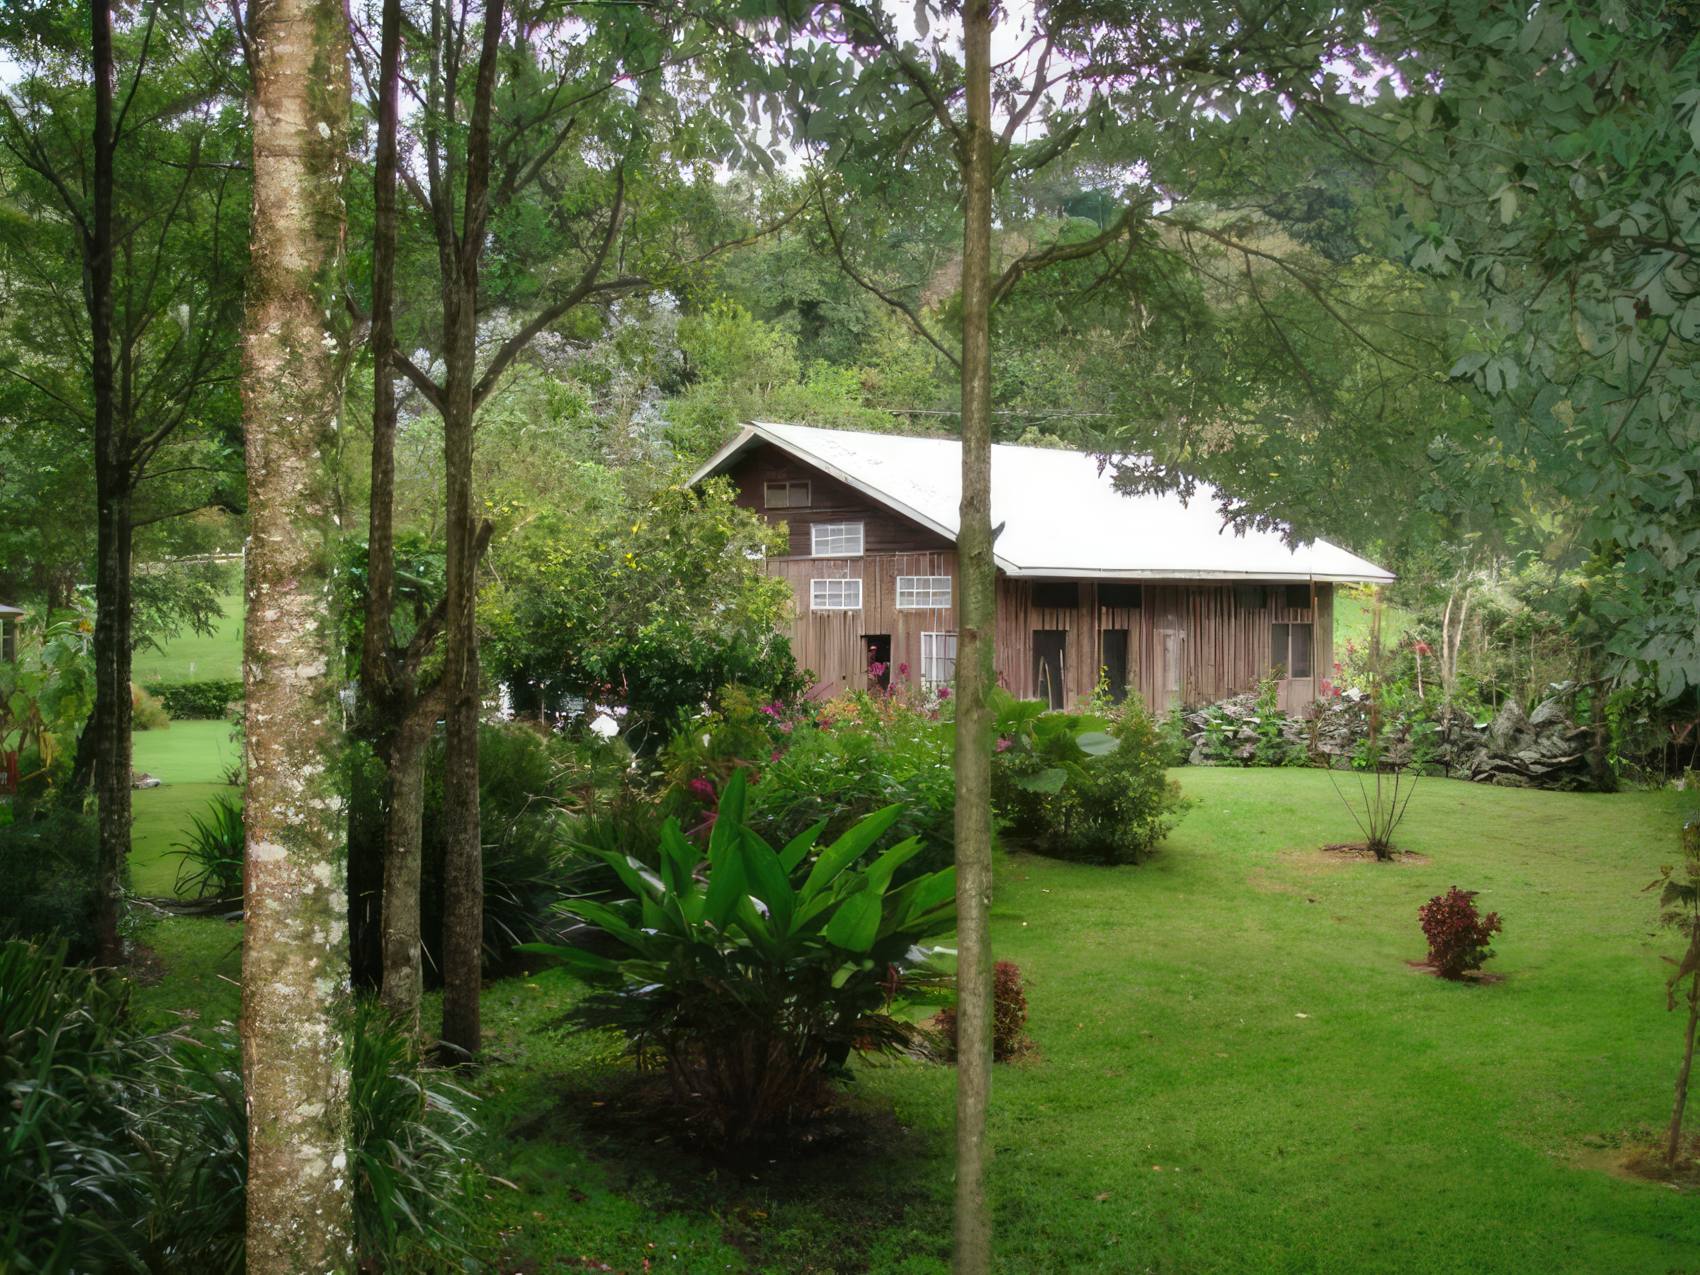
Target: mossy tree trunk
975,662
295,993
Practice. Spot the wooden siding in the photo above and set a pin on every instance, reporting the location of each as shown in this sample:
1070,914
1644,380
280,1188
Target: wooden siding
831,501
1189,642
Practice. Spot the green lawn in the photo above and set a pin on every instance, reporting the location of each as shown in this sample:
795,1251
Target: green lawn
191,758
198,657
1234,1069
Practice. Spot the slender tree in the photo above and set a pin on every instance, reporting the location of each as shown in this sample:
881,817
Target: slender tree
147,198
294,957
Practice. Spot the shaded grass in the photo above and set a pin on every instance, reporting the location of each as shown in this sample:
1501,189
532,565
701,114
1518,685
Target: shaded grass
1234,1069
199,657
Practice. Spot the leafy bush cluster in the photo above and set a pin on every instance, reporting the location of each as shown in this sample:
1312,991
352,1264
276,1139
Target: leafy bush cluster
49,863
1009,1014
751,973
147,713
127,1151
1082,786
197,701
839,762
1458,936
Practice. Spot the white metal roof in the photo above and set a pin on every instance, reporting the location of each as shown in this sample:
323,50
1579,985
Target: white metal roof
6,610
1062,517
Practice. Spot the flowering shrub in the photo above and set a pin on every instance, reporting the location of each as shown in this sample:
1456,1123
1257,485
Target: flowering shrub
1009,1014
1457,935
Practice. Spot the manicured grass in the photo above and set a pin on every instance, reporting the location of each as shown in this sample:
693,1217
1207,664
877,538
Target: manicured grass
198,657
1233,1069
191,758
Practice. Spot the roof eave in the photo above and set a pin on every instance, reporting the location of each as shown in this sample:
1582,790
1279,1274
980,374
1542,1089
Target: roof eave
753,430
1126,573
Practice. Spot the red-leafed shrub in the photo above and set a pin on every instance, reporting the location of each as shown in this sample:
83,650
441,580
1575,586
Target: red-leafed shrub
1458,935
1009,1014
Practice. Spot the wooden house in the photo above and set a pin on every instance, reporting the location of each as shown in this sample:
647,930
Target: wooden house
1147,593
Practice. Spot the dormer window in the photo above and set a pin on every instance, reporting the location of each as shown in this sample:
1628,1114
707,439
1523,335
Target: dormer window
788,495
836,540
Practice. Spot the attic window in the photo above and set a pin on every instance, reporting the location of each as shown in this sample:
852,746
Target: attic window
788,495
836,540
1118,595
1057,595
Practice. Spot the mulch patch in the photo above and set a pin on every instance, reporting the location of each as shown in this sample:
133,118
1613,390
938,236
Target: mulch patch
1359,850
1477,978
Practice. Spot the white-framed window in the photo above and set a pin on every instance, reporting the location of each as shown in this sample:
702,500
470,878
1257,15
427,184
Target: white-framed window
938,660
788,495
836,540
836,595
919,593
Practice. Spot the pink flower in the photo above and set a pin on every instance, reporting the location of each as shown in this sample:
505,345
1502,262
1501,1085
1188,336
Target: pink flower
702,788
876,669
903,670
1005,744
1422,649
784,729
944,692
1327,686
772,710
774,755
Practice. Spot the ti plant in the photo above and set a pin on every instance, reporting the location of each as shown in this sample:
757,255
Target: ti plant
1679,900
752,975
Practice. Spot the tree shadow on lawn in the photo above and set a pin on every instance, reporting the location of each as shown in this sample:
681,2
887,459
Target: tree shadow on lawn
816,1202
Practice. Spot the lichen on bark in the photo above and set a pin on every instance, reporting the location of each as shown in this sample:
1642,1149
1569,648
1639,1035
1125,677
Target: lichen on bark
295,1002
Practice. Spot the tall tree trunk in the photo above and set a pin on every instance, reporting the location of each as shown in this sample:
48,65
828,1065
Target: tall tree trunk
403,848
382,701
976,640
463,853
295,994
463,848
112,517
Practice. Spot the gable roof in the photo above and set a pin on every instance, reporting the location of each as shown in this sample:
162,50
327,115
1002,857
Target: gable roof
6,610
1062,517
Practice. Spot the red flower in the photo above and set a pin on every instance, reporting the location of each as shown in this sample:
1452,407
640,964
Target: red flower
702,788
903,670
1005,744
1422,649
944,692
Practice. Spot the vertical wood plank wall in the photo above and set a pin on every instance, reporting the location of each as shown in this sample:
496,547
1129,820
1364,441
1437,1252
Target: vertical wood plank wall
1189,642
1220,634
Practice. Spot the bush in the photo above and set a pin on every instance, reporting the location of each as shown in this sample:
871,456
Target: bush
49,864
753,975
147,713
197,701
211,860
1457,936
864,753
1079,786
1009,1014
129,1152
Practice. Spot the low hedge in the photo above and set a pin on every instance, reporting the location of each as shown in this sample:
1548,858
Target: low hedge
196,701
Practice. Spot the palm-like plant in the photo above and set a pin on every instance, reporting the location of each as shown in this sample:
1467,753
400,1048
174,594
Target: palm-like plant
212,857
753,973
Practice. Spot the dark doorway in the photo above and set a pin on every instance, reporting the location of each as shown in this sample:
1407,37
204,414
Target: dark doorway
1112,662
876,658
1048,648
